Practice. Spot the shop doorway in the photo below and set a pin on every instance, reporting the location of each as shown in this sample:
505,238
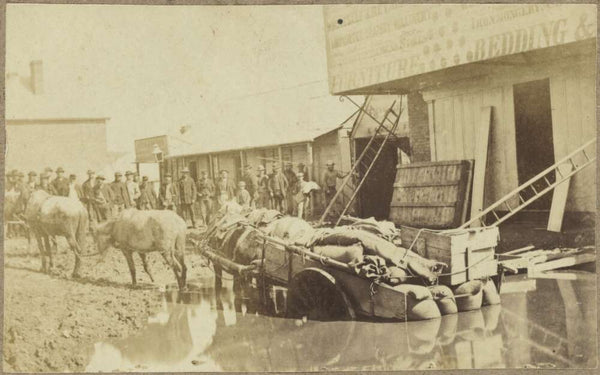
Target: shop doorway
534,138
376,193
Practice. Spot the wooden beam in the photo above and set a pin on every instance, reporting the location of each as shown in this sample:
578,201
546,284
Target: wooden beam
431,119
567,261
559,200
481,156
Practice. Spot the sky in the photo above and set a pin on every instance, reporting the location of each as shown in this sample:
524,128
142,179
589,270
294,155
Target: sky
152,68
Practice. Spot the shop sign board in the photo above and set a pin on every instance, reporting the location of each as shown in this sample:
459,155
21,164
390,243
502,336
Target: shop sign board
372,44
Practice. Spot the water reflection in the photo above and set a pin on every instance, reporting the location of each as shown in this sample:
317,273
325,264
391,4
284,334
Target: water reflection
199,331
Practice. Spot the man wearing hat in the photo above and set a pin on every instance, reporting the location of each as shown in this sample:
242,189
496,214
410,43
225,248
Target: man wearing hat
11,179
279,187
89,196
60,183
133,189
120,194
31,180
20,183
292,180
168,194
304,170
264,191
187,196
206,192
45,184
147,200
103,198
75,191
224,189
330,179
251,184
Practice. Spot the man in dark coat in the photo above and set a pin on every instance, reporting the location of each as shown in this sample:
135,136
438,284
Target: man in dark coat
279,187
251,184
120,194
187,196
89,196
264,190
147,199
31,182
206,192
168,194
292,180
103,198
60,183
224,189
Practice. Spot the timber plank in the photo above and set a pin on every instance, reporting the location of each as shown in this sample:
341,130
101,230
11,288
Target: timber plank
481,156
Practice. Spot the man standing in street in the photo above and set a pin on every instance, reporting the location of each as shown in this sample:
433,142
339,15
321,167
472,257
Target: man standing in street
168,194
147,200
187,196
133,189
60,183
102,199
31,182
330,178
279,186
89,196
75,191
264,191
292,180
225,190
120,194
251,184
206,192
243,197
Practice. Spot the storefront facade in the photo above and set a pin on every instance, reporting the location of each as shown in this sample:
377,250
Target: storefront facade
535,65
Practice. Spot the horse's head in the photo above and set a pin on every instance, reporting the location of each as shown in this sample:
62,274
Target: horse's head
102,235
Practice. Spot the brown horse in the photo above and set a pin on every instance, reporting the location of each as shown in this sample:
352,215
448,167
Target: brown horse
143,232
48,216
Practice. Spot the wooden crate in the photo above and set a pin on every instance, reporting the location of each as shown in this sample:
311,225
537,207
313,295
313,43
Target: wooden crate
432,194
473,247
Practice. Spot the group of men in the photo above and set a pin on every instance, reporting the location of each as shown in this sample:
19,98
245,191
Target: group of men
102,200
281,190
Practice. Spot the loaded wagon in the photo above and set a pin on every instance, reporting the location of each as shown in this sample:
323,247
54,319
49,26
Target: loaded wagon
305,284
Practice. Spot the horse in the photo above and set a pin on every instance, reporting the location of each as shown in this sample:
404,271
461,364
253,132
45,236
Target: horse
143,232
47,216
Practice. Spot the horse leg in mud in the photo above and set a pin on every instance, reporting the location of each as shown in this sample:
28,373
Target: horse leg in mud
218,277
180,258
129,257
48,251
175,266
77,251
40,243
145,264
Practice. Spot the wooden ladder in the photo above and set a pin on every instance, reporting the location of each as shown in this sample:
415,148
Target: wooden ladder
584,155
367,159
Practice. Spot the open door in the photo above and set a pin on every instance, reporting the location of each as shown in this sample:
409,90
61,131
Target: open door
534,138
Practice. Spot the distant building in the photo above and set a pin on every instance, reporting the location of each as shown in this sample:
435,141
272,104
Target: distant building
216,148
533,64
50,128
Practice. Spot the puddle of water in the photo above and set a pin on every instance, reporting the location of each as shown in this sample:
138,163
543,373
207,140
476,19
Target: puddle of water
546,324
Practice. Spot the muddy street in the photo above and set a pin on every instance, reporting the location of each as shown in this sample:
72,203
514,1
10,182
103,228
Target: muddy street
51,322
100,323
204,331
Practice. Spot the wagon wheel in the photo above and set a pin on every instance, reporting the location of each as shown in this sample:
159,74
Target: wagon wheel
314,294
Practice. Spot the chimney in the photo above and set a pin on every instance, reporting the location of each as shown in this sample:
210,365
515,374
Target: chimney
37,77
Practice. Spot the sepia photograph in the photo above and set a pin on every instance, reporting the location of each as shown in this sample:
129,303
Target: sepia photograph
299,188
